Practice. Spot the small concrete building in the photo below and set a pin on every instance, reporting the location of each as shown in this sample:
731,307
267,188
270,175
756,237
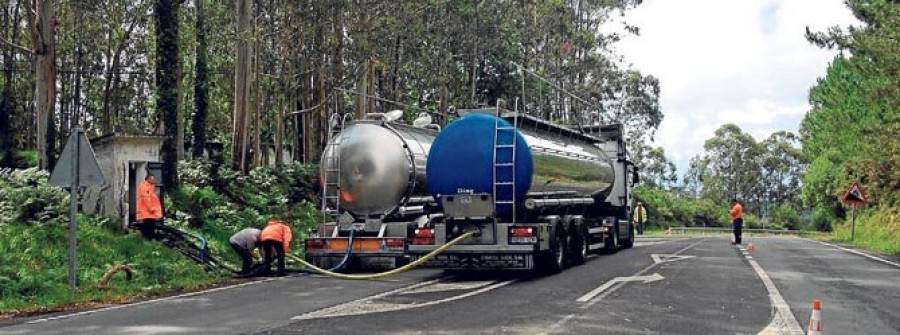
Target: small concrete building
124,160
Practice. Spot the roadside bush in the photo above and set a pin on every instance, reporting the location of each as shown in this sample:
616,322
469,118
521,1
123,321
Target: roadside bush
665,209
822,219
25,198
785,216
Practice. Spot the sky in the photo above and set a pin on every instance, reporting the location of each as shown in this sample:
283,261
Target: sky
745,62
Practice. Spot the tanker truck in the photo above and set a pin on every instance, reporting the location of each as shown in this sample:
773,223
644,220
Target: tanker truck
537,195
373,187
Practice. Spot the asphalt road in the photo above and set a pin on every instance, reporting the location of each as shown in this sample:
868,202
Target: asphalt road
683,286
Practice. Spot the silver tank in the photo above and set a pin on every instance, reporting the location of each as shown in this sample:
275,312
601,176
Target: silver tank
568,164
380,165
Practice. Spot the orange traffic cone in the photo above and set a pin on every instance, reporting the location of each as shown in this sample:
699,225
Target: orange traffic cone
815,320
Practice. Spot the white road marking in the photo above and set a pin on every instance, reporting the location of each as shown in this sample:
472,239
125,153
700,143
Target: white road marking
146,302
857,252
646,279
663,258
556,327
644,270
784,321
369,305
443,287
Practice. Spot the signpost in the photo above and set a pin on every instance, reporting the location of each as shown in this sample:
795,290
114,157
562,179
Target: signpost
854,197
77,167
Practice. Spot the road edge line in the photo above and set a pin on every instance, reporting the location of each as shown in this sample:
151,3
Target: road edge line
863,254
146,302
783,315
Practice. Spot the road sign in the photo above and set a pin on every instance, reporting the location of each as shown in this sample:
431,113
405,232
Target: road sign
76,167
79,154
854,195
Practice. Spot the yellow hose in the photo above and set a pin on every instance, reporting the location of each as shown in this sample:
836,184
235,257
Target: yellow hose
401,269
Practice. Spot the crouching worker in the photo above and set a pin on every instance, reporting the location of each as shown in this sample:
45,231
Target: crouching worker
243,244
276,240
149,208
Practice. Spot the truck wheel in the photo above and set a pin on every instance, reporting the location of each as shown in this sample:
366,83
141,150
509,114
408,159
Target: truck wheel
554,260
578,244
611,241
629,242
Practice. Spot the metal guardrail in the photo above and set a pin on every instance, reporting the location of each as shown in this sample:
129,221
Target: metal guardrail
755,231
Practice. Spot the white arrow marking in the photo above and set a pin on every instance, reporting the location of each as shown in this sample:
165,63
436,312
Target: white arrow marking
646,279
662,258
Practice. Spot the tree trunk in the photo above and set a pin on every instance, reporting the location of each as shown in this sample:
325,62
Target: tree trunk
167,86
201,89
257,114
242,86
8,102
45,77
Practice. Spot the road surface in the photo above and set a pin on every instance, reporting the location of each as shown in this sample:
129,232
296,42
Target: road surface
667,285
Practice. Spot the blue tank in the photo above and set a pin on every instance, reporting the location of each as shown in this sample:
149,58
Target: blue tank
461,160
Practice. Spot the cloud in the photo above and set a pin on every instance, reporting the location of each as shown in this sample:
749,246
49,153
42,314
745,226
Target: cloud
742,62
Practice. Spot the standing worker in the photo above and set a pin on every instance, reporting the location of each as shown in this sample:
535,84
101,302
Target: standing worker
640,216
737,219
243,244
149,208
276,239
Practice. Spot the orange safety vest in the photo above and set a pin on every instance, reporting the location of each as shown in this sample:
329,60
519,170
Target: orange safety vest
737,212
277,231
148,205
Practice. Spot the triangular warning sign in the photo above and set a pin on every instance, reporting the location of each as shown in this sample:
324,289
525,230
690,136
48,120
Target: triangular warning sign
77,153
854,195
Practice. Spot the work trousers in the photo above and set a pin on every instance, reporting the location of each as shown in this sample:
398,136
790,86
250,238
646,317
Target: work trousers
738,227
246,258
147,227
271,248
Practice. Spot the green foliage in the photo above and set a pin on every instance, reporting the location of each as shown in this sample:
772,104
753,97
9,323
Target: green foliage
33,250
667,209
26,158
26,198
877,229
821,219
851,132
786,216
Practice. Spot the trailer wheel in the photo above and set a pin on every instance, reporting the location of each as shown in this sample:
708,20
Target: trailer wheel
578,244
629,242
553,261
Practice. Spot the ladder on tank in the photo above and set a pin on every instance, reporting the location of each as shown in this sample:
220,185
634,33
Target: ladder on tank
332,165
501,180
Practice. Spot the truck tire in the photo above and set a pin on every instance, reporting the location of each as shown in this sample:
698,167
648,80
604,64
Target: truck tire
578,243
628,242
553,261
611,241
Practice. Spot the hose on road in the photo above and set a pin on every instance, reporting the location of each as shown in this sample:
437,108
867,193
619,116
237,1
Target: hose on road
401,269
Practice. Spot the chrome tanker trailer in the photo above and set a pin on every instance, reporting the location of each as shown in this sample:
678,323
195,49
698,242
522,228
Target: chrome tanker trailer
373,187
537,195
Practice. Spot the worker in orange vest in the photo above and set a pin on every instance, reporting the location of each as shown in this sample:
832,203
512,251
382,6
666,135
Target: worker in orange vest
737,220
149,208
276,240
